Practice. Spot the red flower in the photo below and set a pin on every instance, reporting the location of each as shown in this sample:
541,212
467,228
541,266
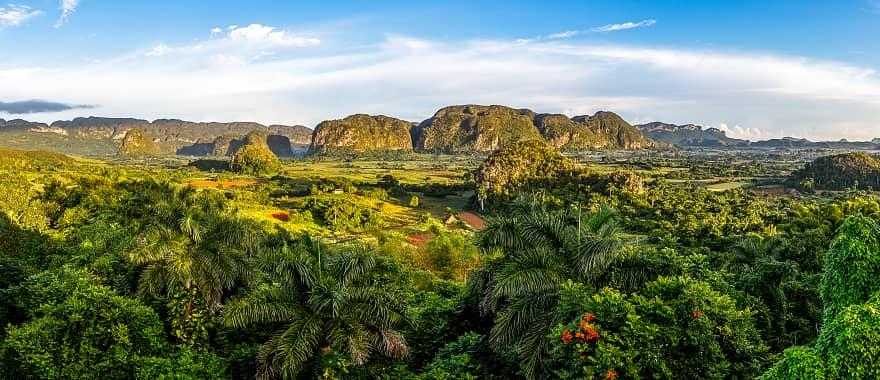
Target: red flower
566,336
590,334
589,317
697,314
611,375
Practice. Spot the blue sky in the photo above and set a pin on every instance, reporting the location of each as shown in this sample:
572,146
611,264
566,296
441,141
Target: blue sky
756,68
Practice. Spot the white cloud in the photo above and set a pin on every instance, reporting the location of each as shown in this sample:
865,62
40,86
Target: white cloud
565,34
67,9
158,50
257,34
739,132
235,45
15,15
624,26
228,79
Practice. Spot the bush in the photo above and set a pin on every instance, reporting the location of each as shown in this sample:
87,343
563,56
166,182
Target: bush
88,331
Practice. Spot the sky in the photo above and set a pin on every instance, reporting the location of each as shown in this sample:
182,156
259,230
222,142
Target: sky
756,69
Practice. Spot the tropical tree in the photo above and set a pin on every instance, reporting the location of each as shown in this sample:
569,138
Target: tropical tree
192,249
531,256
333,307
786,297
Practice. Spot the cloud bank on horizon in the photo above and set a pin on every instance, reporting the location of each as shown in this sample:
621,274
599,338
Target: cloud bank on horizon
33,106
273,74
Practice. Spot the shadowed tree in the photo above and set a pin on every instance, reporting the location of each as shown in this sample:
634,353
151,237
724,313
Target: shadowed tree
192,249
532,255
327,302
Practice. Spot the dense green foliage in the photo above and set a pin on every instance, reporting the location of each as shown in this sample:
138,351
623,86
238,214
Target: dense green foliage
676,327
849,343
331,270
507,170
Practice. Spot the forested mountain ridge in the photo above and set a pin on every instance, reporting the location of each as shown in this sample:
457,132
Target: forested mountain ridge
96,135
361,133
477,128
452,129
688,135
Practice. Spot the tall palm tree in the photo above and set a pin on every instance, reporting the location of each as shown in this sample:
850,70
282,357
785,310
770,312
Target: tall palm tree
533,255
329,301
192,249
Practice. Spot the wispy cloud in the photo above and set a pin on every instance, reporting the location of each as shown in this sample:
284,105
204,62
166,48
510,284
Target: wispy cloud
238,44
599,29
565,34
14,15
37,106
67,9
624,26
408,77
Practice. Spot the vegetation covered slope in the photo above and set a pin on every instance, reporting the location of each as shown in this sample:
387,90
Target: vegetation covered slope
474,128
840,172
361,133
100,135
254,156
508,169
848,346
137,143
603,130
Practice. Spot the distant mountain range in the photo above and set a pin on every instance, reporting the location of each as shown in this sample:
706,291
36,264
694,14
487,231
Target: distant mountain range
689,135
103,136
452,129
692,136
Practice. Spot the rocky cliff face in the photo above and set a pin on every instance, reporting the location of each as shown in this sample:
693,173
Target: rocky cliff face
616,132
19,124
453,129
137,143
361,133
474,128
604,130
689,135
487,128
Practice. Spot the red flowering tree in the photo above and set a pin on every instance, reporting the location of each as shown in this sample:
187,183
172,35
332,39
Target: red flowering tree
675,328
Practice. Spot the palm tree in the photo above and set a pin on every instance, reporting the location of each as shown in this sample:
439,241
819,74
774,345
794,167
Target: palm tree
532,256
191,248
788,293
327,301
